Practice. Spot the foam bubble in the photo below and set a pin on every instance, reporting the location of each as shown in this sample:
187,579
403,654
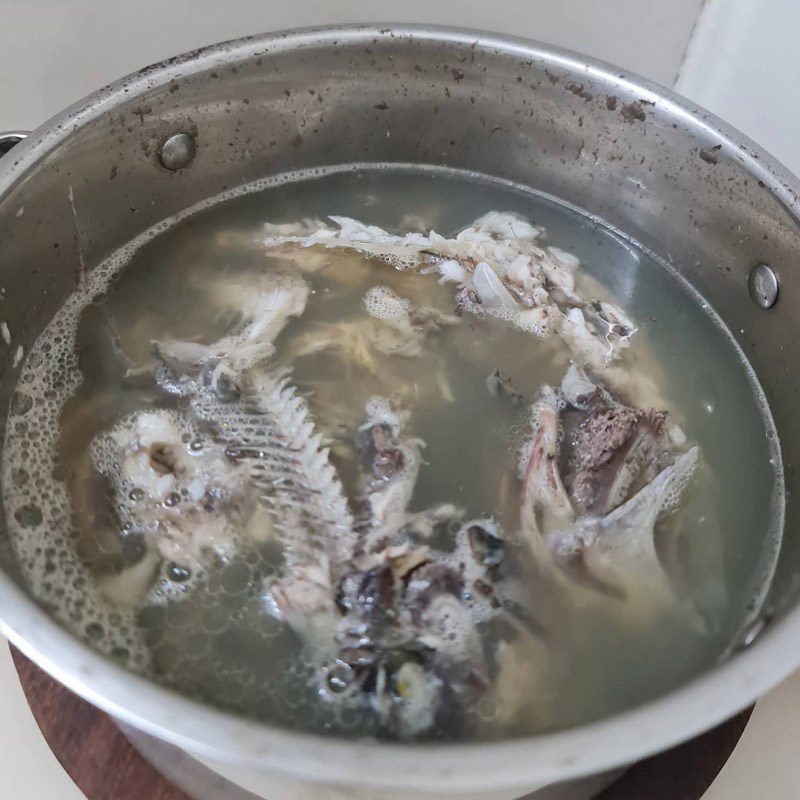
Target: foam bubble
378,410
382,302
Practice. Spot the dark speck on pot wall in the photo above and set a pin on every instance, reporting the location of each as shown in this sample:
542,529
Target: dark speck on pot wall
633,112
711,154
579,90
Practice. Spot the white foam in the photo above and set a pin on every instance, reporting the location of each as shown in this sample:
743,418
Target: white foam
378,410
382,302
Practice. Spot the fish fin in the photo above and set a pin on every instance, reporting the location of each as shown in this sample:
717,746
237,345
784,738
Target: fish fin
546,507
623,550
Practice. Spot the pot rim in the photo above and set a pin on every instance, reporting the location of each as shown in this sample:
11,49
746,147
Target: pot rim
512,764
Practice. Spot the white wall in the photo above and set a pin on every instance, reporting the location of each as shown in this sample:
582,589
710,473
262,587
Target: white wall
53,52
743,65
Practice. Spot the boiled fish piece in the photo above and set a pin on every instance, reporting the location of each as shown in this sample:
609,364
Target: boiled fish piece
502,269
186,364
171,485
592,531
409,644
391,463
303,598
423,524
619,548
394,326
263,426
547,508
301,591
526,681
503,389
497,576
130,585
268,431
611,447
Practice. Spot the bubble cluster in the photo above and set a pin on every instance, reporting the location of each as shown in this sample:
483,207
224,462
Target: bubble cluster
379,410
223,646
382,302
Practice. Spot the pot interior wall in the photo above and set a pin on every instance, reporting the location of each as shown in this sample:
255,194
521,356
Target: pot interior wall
691,193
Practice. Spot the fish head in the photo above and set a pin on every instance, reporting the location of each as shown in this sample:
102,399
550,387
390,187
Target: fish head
407,647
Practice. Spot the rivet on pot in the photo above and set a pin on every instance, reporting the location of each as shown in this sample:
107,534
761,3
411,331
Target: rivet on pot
763,285
178,151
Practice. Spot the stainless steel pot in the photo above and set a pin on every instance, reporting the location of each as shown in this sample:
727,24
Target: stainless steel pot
683,183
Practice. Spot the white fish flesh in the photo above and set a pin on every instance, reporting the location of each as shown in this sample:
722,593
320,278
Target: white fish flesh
266,312
171,486
502,268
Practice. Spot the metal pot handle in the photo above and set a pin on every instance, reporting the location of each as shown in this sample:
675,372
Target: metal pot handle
9,139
